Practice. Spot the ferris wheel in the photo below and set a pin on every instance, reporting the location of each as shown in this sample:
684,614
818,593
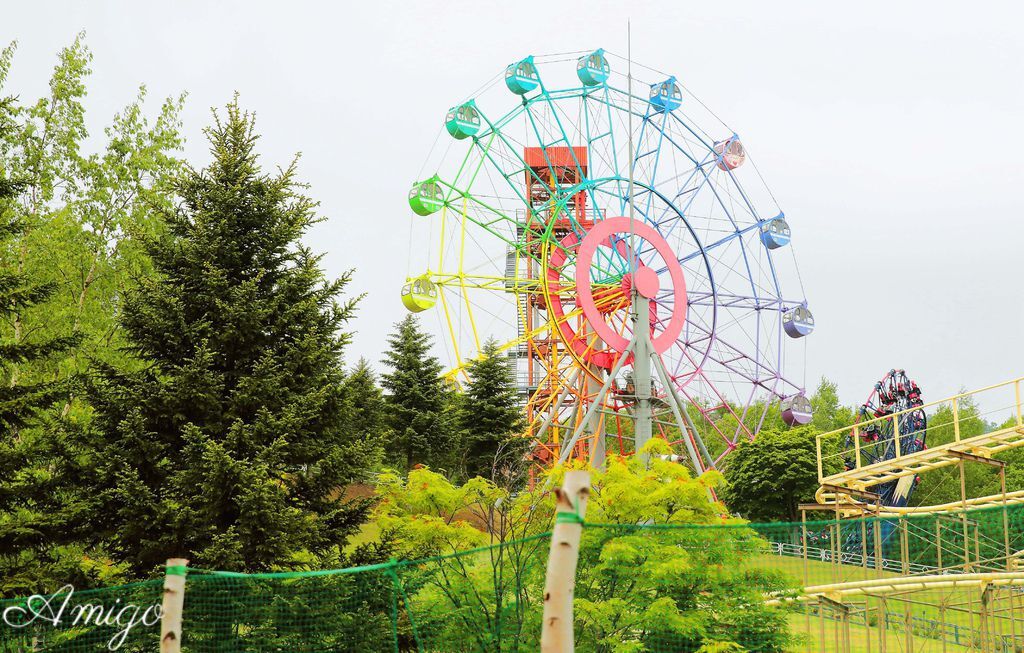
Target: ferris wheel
557,200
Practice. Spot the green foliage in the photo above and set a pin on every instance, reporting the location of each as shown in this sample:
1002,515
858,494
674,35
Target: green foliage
419,428
771,475
19,402
829,414
84,216
490,418
72,228
647,579
645,588
230,445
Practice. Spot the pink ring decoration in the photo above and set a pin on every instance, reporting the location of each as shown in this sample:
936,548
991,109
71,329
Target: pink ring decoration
645,280
601,234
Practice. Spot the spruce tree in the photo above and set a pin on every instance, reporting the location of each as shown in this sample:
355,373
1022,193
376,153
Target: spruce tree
490,416
229,447
418,426
366,403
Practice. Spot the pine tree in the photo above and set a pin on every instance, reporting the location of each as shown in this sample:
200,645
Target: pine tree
366,403
230,445
417,421
490,417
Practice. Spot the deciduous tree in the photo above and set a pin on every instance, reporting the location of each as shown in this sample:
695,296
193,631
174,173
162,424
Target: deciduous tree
769,476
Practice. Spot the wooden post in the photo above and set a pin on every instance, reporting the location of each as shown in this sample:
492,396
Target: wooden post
173,605
559,585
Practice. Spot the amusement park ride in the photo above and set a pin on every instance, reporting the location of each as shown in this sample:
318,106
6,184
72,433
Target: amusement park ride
630,262
638,274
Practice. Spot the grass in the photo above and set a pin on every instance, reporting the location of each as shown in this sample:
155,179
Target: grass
862,640
925,606
368,532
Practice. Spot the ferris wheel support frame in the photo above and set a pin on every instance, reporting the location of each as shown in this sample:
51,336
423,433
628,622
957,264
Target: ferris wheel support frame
643,352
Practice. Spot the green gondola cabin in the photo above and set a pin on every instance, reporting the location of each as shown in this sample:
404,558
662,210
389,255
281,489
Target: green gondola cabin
426,196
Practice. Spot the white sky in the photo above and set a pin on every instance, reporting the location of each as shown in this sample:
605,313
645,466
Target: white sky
889,132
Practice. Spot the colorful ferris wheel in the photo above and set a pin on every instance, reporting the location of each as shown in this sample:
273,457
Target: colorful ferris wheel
570,209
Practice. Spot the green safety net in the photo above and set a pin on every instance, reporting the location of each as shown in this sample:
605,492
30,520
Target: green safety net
944,582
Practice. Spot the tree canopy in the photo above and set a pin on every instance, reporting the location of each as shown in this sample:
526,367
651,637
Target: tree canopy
230,444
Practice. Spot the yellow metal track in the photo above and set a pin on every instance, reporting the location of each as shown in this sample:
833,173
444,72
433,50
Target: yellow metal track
862,477
896,585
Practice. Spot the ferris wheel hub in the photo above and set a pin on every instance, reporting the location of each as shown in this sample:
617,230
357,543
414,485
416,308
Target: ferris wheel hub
633,243
645,280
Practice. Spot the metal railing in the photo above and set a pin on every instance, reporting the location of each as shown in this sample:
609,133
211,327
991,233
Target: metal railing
853,455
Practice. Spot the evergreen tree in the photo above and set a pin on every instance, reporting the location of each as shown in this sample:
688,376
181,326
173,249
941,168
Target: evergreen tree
366,403
418,426
230,445
490,417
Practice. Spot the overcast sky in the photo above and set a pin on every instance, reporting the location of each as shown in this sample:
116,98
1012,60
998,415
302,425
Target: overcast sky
891,133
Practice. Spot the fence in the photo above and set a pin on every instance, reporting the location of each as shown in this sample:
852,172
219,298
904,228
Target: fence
648,587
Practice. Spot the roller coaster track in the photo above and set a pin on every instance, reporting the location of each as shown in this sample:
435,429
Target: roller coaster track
851,505
888,586
859,477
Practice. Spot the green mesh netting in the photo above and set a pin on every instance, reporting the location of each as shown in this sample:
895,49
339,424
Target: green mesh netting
928,583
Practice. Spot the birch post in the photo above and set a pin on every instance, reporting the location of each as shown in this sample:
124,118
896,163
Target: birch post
559,585
173,605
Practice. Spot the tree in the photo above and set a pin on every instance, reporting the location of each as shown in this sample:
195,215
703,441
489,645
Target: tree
490,416
769,476
22,520
72,221
416,398
943,485
660,567
829,414
19,402
84,216
366,407
230,445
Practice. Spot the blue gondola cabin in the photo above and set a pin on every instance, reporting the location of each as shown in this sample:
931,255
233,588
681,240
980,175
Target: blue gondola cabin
775,233
521,77
666,95
798,322
593,69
